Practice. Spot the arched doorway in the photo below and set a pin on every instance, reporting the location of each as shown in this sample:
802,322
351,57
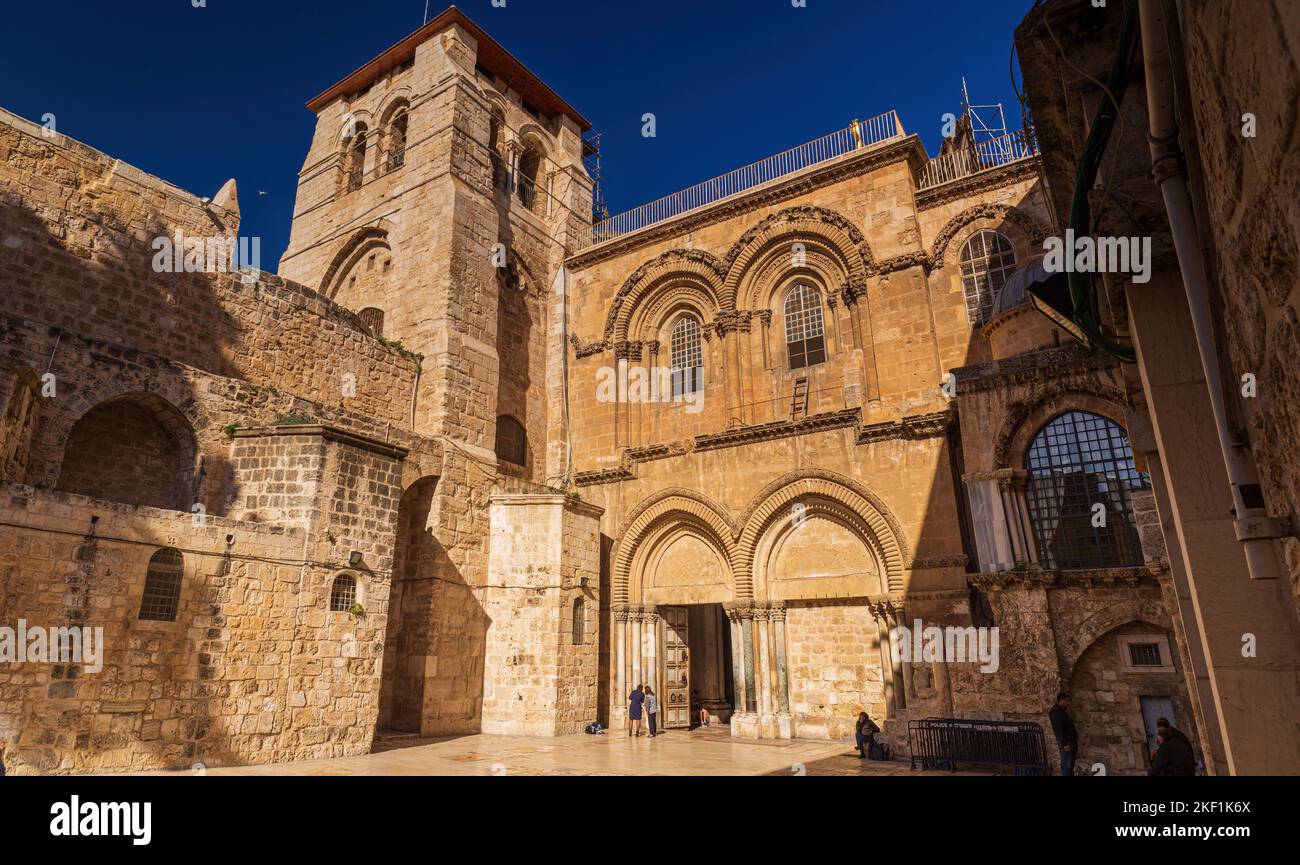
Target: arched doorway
407,642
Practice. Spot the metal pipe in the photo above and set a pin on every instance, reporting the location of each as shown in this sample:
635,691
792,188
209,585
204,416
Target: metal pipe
1256,531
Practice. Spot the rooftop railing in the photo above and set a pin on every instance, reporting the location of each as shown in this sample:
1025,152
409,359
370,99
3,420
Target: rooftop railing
877,130
984,156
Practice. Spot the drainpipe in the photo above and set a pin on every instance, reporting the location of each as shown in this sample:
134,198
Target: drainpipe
1255,530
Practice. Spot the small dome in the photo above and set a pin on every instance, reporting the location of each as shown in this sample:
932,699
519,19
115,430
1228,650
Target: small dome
1015,293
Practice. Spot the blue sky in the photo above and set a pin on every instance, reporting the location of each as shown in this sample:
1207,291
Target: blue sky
196,96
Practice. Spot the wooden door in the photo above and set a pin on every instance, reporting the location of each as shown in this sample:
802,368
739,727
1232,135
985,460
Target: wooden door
676,695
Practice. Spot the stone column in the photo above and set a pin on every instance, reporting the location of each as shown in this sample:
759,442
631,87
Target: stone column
651,669
737,663
635,616
751,684
621,690
886,659
767,719
785,727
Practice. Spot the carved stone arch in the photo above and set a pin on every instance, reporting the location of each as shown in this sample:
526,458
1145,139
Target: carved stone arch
668,505
351,250
693,265
768,506
1025,418
648,319
770,279
398,99
1074,643
835,233
1007,217
360,117
779,531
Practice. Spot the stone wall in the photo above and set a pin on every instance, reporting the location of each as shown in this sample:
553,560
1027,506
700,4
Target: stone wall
545,556
835,669
1245,59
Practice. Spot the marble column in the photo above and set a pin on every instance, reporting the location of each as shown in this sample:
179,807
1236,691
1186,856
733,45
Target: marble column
886,661
635,617
777,614
764,668
737,661
621,690
751,685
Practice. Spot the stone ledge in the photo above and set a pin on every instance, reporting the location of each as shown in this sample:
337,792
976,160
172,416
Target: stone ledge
1085,578
328,433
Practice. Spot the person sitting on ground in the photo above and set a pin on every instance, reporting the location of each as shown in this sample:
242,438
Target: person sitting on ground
865,735
699,708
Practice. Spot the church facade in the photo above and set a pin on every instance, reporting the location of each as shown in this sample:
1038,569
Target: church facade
469,463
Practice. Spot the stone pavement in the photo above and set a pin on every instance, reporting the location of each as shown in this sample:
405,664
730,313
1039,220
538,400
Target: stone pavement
706,752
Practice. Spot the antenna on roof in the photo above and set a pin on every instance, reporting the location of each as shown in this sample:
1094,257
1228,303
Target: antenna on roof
426,12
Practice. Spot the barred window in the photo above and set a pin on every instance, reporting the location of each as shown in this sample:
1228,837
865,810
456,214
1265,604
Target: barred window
162,586
687,357
373,319
512,441
343,594
530,164
804,326
397,142
987,262
1077,461
579,622
1145,655
354,158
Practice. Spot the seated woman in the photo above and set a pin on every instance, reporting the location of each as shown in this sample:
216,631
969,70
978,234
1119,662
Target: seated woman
865,736
700,711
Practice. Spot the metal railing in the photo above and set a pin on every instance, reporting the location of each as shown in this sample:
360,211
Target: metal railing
942,743
986,155
885,127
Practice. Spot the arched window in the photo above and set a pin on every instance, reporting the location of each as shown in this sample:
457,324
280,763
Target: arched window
687,358
397,141
987,262
804,327
579,622
512,441
354,158
530,164
162,586
1081,477
343,594
373,319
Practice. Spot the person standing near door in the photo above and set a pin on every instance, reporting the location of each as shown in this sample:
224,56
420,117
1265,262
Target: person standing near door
635,699
651,709
1067,735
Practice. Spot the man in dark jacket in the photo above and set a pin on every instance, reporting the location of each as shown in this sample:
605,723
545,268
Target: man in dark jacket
1067,735
1174,754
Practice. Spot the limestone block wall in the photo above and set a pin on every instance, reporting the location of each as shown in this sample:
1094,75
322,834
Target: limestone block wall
210,686
77,229
834,667
1253,199
544,556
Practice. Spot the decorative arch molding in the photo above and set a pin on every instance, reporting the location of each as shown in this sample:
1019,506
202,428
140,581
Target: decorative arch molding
890,540
838,235
1025,418
352,121
695,266
650,317
989,210
1074,645
830,510
362,241
771,278
397,100
651,515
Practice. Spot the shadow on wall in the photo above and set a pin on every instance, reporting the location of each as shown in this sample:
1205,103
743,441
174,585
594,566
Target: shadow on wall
436,642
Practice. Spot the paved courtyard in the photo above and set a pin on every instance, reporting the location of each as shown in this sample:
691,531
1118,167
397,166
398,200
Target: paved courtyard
708,752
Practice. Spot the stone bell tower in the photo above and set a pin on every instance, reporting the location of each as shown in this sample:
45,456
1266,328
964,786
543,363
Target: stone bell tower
443,187
444,180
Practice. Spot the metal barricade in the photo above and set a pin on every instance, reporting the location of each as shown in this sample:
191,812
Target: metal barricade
942,743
